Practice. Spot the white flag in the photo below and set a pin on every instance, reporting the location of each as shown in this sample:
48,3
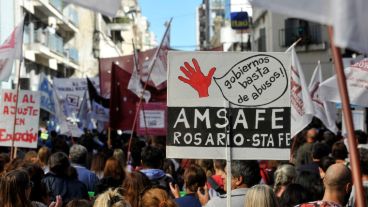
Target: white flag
348,18
301,102
357,85
135,84
106,7
324,110
10,50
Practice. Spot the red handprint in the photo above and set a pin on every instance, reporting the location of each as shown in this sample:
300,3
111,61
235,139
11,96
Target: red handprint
196,79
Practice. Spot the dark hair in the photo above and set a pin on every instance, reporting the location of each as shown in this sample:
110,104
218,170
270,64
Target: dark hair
78,203
326,162
312,182
320,150
58,163
98,162
219,164
133,185
293,195
4,159
339,151
364,160
152,157
39,190
13,187
248,170
360,136
194,177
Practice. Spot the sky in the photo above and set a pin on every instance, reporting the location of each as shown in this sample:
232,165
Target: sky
183,26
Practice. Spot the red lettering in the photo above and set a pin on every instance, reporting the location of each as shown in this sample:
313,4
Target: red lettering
6,110
10,97
20,121
25,99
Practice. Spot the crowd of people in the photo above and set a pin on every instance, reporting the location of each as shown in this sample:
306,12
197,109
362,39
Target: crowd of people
94,171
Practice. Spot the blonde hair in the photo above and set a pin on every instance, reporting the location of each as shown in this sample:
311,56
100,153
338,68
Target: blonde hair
111,198
260,195
156,197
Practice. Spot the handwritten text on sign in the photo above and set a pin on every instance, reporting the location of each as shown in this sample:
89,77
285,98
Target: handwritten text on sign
26,122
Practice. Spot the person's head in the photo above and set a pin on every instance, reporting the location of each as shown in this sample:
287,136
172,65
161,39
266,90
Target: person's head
207,166
324,164
58,163
311,181
78,154
311,135
339,151
4,159
219,165
111,198
31,156
244,174
328,137
78,203
194,178
363,160
293,195
284,175
152,157
114,169
43,155
337,182
320,150
133,184
15,187
98,162
156,197
119,155
260,195
361,136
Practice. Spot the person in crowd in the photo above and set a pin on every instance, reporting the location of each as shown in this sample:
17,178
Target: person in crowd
59,181
364,170
134,183
79,203
194,181
337,183
207,166
114,175
119,155
15,188
152,161
361,137
4,159
340,152
244,175
283,176
78,157
215,182
312,182
43,157
111,198
98,164
304,153
293,195
324,164
260,195
31,156
156,197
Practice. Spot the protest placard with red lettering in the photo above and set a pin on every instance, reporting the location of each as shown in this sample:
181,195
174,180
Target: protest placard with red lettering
222,100
26,118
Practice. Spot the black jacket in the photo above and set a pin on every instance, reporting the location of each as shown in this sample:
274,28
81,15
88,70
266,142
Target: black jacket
69,189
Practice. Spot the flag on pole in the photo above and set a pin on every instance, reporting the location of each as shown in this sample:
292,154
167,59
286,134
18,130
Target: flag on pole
348,18
135,84
324,110
158,63
301,102
10,50
94,96
123,101
357,85
47,94
107,7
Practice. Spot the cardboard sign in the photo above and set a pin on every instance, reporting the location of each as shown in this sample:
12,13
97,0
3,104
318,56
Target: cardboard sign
152,119
26,123
239,100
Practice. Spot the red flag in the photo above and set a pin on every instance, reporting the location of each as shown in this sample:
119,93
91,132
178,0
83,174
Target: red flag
122,100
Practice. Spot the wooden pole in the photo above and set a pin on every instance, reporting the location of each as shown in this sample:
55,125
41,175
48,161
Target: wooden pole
354,155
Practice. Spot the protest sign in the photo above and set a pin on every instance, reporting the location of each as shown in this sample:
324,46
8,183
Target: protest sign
26,122
152,119
239,100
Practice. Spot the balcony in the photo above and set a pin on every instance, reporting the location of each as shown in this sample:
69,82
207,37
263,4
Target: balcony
311,36
73,54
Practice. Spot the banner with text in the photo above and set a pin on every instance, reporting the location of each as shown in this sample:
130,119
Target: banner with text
26,122
239,100
152,119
